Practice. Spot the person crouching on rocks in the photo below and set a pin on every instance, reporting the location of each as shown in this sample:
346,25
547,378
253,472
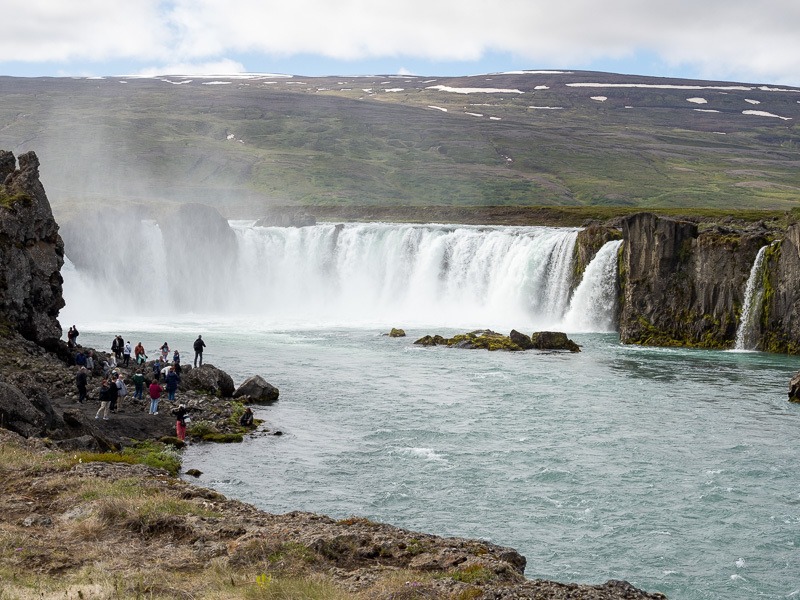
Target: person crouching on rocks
154,391
181,414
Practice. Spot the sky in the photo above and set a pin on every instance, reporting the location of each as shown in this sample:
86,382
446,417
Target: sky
725,40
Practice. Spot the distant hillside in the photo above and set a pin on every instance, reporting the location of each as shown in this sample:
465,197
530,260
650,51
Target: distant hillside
526,138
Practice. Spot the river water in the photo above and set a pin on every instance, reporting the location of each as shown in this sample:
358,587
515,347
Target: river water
673,469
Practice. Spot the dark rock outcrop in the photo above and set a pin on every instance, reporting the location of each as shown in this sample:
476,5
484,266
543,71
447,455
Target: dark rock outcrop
780,316
18,414
520,339
209,379
258,390
395,332
553,340
487,339
31,253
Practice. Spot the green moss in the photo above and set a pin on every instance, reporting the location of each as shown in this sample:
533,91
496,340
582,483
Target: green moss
223,438
7,200
472,574
152,454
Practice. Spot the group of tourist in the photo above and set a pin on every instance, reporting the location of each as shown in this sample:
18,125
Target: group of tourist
113,388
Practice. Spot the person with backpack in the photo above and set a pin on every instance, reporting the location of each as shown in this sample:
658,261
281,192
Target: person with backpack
199,344
181,415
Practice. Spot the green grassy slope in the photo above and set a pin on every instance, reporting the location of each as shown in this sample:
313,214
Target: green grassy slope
251,143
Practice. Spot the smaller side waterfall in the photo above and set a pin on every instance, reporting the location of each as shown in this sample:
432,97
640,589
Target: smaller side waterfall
747,334
593,306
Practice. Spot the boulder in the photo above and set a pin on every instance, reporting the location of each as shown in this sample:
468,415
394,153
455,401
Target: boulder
395,332
258,390
18,414
209,379
553,340
520,339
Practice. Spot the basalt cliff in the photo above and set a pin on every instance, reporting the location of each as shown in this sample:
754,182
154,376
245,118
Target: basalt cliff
684,284
31,253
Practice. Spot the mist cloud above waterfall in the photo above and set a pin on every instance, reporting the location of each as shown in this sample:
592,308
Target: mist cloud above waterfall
715,39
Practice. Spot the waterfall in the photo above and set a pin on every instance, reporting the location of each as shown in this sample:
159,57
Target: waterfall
369,274
747,334
594,304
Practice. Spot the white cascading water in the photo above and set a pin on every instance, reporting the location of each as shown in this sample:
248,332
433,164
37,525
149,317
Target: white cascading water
593,307
350,275
747,333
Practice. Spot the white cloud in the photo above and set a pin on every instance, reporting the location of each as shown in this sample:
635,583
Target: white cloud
220,67
717,39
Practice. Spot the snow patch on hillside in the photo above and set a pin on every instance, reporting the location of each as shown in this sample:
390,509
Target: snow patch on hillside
460,90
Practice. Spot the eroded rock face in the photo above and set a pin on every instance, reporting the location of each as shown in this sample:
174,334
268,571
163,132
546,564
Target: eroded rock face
782,307
681,287
31,253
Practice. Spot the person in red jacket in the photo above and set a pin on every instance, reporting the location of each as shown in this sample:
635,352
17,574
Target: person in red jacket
155,395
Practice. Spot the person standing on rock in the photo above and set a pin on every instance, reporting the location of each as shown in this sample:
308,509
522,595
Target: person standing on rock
156,369
138,384
122,391
139,354
172,379
90,362
115,349
154,391
164,352
107,393
126,353
72,337
81,381
199,344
